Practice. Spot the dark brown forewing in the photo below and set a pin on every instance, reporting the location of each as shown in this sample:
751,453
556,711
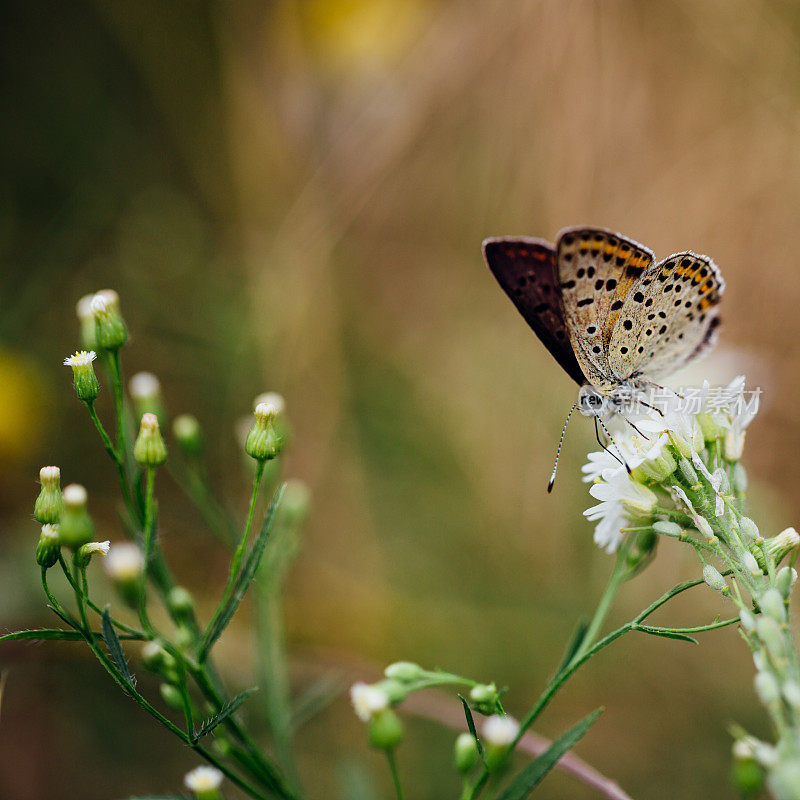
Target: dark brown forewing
525,268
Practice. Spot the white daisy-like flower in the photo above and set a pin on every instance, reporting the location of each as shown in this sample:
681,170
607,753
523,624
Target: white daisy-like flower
621,499
81,358
500,731
124,562
203,779
144,386
367,700
96,548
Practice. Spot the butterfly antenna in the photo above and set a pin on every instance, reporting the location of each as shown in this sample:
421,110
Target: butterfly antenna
619,457
558,452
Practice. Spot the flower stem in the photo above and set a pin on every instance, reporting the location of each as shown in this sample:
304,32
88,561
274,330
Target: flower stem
398,788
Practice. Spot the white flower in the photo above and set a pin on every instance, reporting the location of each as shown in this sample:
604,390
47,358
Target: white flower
274,399
500,731
144,386
678,423
96,548
81,358
621,498
74,495
203,779
367,700
50,476
124,562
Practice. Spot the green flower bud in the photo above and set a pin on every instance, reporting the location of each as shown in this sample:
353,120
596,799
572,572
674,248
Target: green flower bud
747,775
751,564
295,503
385,730
784,581
483,693
748,620
124,565
767,688
156,659
48,506
187,433
149,449
667,528
75,528
184,637
172,696
279,404
86,320
393,689
791,693
86,551
769,631
465,752
714,579
109,326
748,529
86,385
181,604
204,782
145,391
656,469
772,603
712,425
498,734
642,549
49,547
739,478
263,442
404,671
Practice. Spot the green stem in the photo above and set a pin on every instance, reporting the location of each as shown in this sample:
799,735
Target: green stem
239,554
617,578
149,521
398,788
193,484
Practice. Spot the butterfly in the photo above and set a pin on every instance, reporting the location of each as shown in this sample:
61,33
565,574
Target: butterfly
613,318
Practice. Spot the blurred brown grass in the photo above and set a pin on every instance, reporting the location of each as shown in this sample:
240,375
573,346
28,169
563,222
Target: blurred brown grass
292,196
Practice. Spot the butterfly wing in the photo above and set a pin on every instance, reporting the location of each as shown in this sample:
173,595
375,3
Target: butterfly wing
525,268
596,270
669,318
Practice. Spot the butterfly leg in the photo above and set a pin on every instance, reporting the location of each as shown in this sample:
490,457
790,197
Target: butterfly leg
598,421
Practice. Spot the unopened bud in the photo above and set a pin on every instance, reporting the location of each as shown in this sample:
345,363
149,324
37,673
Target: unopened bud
404,671
667,528
204,782
712,425
181,604
784,581
124,565
687,471
767,688
791,693
465,752
499,732
109,326
75,528
145,391
739,478
772,603
713,577
748,620
295,503
158,660
263,442
748,529
783,780
172,696
188,435
769,631
86,320
48,506
85,381
751,565
149,449
49,547
86,551
385,730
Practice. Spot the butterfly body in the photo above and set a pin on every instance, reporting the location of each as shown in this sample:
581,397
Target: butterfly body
612,317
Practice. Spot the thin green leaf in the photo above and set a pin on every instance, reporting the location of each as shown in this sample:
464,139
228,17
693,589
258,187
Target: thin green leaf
115,648
244,580
315,699
666,633
574,643
471,724
533,774
226,711
42,633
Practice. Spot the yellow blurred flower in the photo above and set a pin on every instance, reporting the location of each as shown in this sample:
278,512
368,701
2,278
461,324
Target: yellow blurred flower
21,417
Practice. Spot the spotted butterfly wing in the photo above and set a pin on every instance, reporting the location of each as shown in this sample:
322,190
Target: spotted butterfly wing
597,270
669,319
526,269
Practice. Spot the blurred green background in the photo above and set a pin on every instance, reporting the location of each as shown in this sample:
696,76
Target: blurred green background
291,196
